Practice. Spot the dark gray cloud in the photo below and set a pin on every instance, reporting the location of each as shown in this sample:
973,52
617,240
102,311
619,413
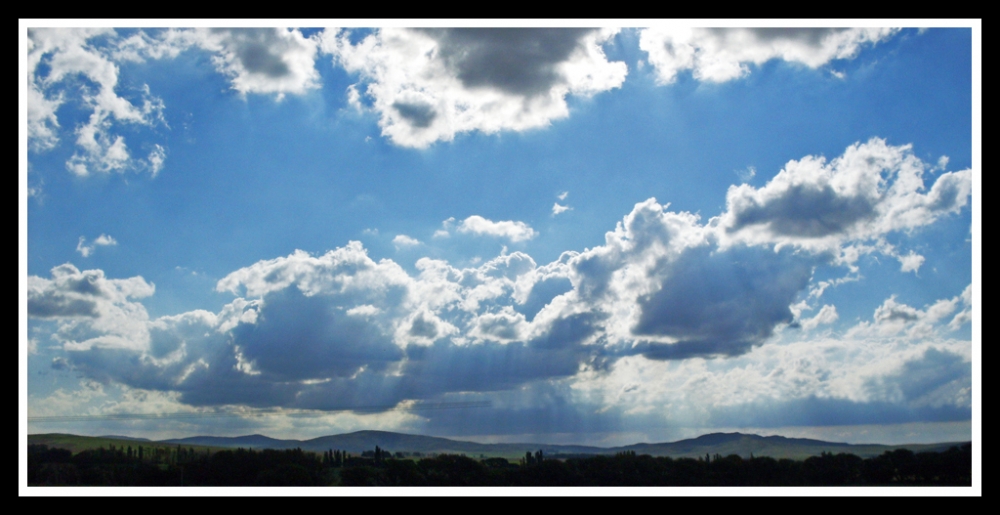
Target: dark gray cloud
419,115
541,409
500,326
472,79
542,292
521,61
206,375
300,337
808,211
570,331
937,378
812,36
55,306
85,284
825,411
225,385
907,315
125,366
258,50
871,190
723,303
368,392
75,293
424,328
482,367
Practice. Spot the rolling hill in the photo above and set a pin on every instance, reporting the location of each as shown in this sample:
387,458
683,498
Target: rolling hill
360,441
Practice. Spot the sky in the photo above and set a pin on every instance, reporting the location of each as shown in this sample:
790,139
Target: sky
534,233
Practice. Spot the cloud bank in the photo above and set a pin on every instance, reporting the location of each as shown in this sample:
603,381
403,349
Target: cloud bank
706,319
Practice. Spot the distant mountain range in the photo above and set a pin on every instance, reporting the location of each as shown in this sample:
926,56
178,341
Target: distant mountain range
714,443
723,444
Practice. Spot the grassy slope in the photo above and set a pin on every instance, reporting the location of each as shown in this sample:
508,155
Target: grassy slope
77,443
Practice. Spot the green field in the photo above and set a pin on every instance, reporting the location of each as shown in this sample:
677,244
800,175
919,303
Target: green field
76,444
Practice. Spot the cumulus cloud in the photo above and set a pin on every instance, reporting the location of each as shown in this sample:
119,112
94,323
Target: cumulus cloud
101,241
965,316
670,291
558,208
723,54
827,315
95,311
869,191
430,84
512,230
262,60
403,241
338,330
894,317
341,330
911,262
57,60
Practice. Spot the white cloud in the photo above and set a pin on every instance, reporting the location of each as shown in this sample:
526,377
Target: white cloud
894,318
430,84
723,54
154,44
42,122
965,316
563,195
342,270
503,326
821,286
156,158
824,381
365,310
101,241
68,54
827,315
746,174
512,230
911,262
446,227
558,208
403,241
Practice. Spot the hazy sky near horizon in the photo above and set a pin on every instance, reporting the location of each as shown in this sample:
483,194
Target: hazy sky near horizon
584,235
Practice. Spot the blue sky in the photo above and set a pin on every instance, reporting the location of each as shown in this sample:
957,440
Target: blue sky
580,235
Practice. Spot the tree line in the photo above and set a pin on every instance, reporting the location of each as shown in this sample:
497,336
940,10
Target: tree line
294,467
